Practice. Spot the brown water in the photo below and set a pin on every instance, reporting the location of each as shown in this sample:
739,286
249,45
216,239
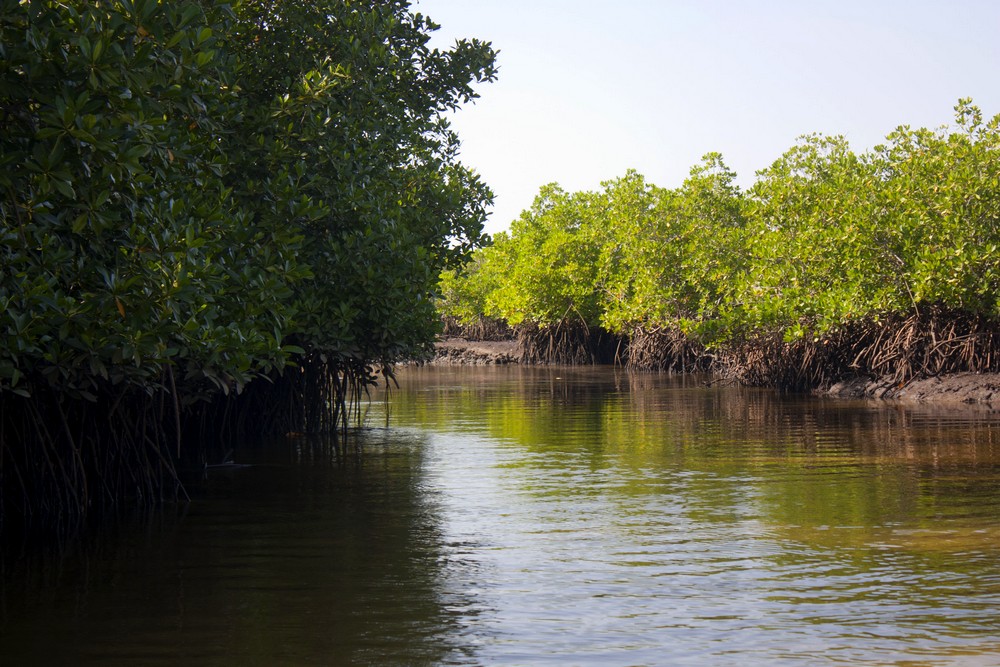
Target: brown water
555,516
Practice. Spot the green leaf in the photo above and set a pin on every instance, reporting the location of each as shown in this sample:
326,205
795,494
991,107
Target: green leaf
65,188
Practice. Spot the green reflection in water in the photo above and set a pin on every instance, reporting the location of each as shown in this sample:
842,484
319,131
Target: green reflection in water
828,472
767,527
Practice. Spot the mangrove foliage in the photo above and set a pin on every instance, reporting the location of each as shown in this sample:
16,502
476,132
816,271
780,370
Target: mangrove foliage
215,218
833,264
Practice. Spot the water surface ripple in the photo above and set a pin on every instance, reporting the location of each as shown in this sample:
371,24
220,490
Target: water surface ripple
666,524
555,516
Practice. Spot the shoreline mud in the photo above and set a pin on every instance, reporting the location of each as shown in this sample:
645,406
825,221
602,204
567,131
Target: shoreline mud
948,389
951,389
453,351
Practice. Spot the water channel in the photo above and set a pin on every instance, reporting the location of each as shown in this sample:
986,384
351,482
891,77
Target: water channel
532,516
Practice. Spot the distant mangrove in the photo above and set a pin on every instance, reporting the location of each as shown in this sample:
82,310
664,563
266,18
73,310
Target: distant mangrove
833,264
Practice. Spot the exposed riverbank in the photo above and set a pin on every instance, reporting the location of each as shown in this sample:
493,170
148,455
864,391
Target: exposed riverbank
949,389
454,351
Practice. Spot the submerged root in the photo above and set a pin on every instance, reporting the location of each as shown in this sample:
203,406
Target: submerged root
666,349
926,344
63,458
895,349
800,365
318,396
569,342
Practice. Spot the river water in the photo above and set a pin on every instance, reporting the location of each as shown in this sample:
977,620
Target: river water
532,516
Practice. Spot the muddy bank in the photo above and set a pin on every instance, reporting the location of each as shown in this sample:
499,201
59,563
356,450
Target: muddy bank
954,388
454,351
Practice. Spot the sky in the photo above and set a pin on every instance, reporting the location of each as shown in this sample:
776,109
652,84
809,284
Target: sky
588,89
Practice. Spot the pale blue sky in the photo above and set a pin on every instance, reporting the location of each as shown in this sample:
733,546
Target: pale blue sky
588,88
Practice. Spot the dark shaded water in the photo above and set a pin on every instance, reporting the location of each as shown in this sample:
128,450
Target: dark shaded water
555,516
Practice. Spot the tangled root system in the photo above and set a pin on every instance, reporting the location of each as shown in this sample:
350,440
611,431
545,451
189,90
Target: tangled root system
569,342
485,328
666,349
896,348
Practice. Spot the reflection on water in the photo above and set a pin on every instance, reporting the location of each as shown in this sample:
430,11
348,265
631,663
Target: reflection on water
562,516
300,559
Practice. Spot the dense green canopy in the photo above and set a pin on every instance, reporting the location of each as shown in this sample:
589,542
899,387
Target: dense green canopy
217,220
825,237
216,187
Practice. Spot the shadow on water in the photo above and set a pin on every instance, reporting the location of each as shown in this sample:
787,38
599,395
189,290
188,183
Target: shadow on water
299,558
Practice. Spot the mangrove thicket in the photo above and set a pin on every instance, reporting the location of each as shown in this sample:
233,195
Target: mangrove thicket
216,218
831,265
